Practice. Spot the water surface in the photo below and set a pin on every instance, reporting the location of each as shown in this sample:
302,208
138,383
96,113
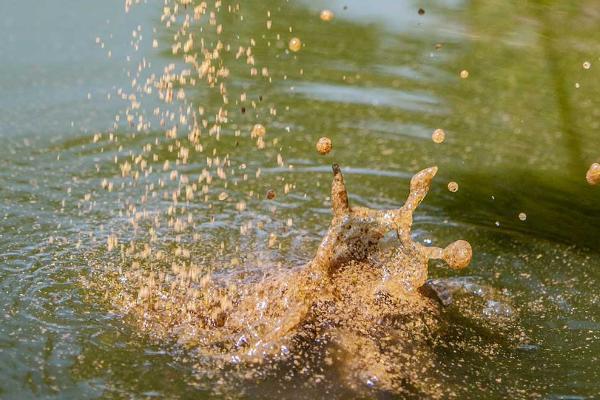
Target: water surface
521,131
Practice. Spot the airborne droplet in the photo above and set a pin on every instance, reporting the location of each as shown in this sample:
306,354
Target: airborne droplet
458,254
438,136
324,145
327,15
593,174
259,130
295,44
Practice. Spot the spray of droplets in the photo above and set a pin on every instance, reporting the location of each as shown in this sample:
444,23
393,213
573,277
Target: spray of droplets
184,116
265,321
167,274
192,170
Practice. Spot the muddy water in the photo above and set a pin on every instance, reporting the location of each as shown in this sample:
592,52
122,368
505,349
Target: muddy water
521,132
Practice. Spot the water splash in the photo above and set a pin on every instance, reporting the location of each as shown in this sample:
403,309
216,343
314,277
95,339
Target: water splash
357,306
360,308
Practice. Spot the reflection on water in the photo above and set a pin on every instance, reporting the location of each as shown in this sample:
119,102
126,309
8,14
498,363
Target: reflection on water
370,97
521,131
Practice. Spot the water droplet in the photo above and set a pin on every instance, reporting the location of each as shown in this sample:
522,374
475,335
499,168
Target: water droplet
259,131
593,174
295,44
324,145
438,136
453,187
327,15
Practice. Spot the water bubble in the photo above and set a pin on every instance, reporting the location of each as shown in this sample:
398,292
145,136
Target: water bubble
593,174
438,136
453,187
295,44
327,15
324,145
464,74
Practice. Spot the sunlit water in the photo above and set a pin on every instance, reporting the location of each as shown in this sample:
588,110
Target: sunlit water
521,131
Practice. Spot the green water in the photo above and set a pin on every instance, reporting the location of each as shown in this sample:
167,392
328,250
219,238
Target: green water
520,134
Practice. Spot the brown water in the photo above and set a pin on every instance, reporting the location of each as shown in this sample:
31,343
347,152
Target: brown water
356,309
110,173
